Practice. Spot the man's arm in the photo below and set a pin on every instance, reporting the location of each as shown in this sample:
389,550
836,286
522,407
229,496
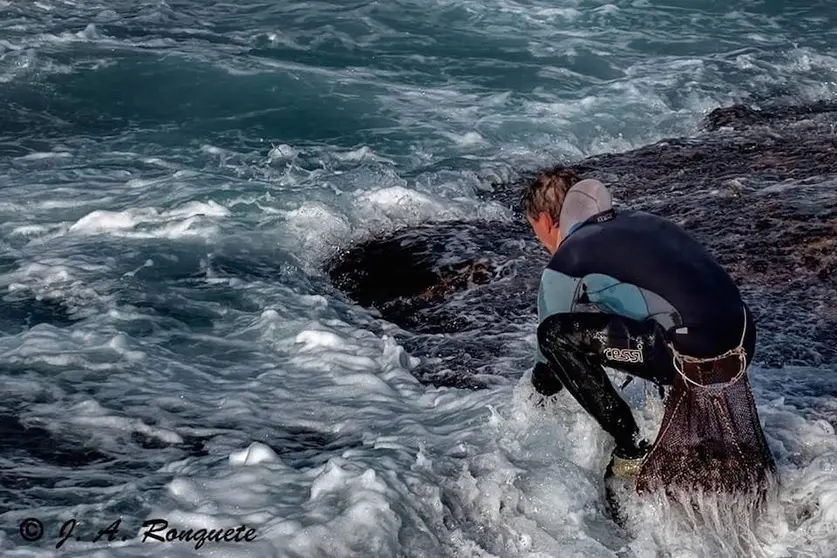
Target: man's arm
579,369
562,294
556,295
580,321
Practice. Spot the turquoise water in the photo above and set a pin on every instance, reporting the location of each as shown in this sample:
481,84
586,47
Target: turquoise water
173,175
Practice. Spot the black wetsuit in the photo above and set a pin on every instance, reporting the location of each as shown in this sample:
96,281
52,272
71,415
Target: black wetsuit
620,287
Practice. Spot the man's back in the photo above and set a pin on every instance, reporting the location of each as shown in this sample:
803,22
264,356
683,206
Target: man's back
677,281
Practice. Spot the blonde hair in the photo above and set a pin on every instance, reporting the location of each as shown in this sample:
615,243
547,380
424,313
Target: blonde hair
545,194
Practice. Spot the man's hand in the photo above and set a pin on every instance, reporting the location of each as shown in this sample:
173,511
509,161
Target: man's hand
545,381
535,399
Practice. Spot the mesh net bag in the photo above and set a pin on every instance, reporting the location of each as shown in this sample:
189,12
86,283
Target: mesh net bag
710,438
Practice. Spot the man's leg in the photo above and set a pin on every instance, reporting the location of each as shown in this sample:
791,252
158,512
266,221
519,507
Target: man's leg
577,347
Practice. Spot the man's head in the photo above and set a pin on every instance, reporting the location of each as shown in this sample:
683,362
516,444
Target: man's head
552,209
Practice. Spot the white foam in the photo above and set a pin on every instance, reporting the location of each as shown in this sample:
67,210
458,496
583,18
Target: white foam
257,453
30,230
89,33
468,139
432,472
363,153
314,227
38,156
317,229
89,414
173,223
516,480
282,152
108,221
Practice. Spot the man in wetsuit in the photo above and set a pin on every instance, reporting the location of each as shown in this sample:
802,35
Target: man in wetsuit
627,290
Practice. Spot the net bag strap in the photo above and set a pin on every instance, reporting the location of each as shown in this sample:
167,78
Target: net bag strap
678,360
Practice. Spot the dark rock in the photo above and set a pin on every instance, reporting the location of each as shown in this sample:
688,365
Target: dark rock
762,197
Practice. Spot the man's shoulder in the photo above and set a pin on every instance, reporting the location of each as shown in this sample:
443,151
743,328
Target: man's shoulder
557,292
630,232
556,276
625,228
640,216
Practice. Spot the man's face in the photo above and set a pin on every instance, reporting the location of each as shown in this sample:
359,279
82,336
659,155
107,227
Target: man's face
547,231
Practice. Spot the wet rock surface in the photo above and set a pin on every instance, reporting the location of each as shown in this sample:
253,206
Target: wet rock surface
758,187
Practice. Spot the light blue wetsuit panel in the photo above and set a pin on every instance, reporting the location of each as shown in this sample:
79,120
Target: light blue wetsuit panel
556,295
620,298
559,293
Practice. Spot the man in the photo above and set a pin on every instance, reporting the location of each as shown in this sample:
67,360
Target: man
633,291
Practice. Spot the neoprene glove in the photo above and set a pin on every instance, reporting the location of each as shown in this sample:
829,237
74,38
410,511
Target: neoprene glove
545,381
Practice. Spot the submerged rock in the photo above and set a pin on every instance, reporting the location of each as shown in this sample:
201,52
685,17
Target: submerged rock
758,187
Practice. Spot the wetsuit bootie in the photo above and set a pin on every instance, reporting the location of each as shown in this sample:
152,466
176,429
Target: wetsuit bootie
627,462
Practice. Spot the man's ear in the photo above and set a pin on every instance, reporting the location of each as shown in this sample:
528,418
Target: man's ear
554,232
